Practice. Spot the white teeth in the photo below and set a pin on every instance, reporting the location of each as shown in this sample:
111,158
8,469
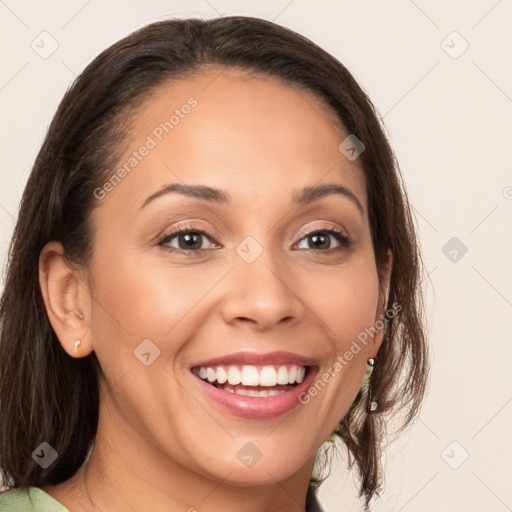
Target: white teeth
268,376
248,375
234,375
282,375
253,393
292,373
222,375
211,374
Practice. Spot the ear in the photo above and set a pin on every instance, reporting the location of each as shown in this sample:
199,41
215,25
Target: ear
67,299
384,285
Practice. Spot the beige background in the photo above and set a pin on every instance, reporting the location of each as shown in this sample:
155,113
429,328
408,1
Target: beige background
450,121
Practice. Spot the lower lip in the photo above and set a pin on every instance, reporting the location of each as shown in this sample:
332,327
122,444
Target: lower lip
258,408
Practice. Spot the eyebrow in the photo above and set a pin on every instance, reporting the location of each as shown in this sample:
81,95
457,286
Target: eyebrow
306,196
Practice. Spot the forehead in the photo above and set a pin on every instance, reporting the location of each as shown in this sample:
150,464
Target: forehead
251,135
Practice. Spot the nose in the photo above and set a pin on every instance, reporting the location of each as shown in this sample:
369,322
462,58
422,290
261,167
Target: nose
261,294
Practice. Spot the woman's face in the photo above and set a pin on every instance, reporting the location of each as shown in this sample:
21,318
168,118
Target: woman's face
248,276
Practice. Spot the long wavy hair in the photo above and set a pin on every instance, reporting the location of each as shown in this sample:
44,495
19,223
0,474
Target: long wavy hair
45,395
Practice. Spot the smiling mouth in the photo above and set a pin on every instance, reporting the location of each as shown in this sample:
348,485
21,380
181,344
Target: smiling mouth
253,381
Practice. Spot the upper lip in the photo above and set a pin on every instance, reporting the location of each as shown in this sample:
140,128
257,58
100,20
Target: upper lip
257,359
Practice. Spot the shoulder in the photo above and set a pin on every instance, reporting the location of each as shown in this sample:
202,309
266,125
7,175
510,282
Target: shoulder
31,499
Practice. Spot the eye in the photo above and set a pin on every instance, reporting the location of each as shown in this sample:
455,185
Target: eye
185,239
321,239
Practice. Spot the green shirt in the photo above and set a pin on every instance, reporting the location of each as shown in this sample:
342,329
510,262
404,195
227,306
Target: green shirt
32,499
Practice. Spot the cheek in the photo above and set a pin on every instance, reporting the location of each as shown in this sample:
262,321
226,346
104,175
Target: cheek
346,302
135,301
136,296
345,299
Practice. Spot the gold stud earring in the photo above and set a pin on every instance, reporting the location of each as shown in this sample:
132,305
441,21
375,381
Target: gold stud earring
77,345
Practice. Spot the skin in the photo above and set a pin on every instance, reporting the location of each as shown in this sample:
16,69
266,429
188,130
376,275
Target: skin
162,444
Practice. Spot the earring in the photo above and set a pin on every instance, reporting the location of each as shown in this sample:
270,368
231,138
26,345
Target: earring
77,345
372,405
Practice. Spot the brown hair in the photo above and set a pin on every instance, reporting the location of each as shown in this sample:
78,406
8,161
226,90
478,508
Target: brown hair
45,395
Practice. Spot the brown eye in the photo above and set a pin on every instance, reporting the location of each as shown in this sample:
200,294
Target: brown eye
189,240
322,240
184,240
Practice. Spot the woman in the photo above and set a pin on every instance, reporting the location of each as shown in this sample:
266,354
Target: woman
214,271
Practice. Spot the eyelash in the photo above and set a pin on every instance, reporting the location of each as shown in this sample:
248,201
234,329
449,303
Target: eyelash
344,241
